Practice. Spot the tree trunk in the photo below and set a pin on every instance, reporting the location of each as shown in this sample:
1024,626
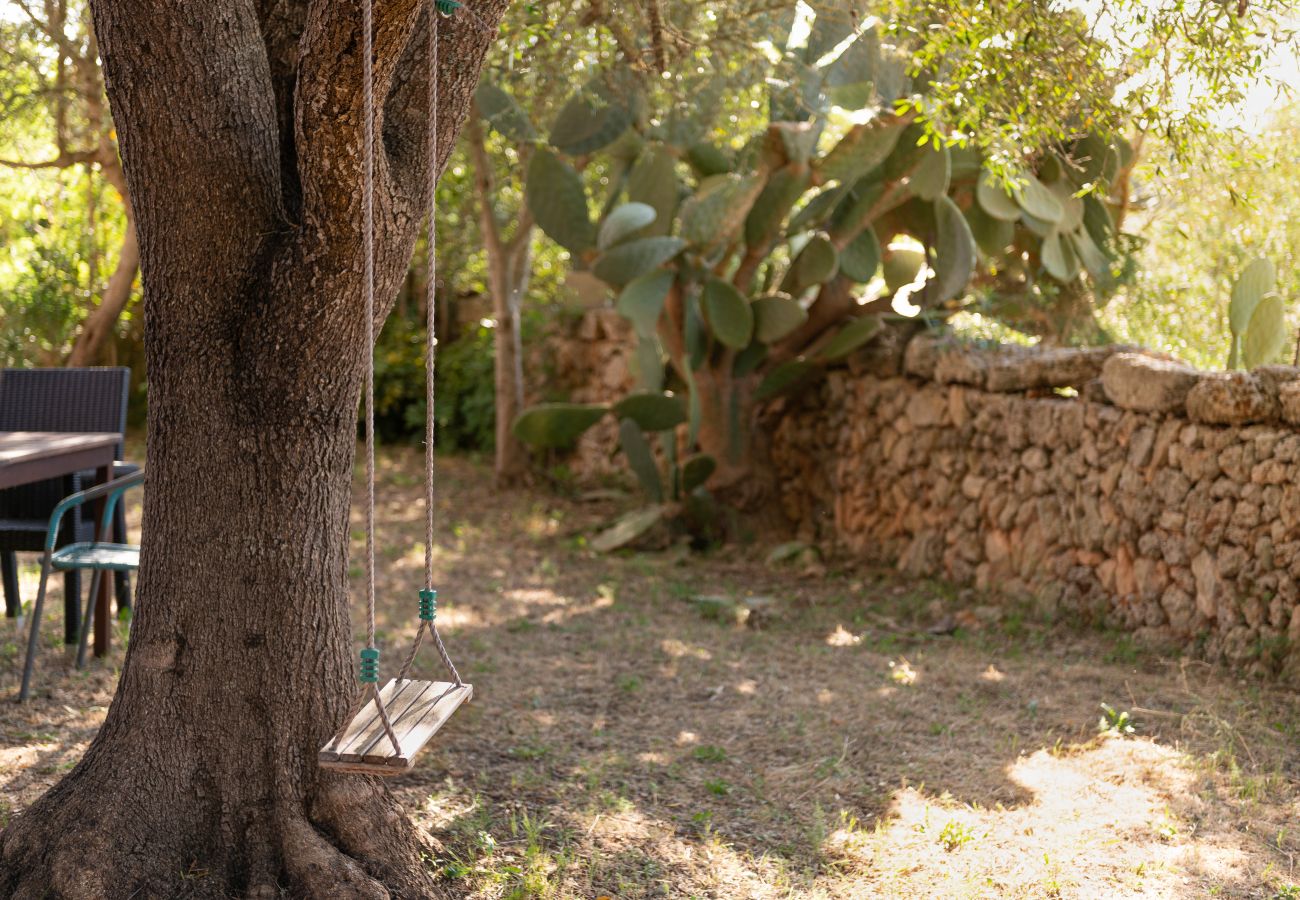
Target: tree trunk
507,265
99,324
240,132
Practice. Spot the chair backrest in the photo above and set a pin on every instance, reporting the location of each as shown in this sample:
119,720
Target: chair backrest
91,399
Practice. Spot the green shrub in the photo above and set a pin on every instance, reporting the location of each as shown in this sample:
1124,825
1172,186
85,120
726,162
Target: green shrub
465,397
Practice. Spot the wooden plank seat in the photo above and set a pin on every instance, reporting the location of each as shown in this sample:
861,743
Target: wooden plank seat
84,555
416,710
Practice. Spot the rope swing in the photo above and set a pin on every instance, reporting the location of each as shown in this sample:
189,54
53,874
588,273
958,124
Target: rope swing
386,727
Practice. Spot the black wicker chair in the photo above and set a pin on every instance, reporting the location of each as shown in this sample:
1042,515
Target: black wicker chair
78,400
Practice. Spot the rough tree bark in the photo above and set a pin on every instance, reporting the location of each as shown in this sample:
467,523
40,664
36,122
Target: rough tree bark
240,128
509,264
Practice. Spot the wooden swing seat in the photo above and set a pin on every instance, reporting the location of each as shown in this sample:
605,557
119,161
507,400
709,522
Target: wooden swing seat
416,710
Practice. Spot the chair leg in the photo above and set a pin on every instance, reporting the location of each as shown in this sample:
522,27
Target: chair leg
122,586
121,580
88,620
9,571
71,606
34,636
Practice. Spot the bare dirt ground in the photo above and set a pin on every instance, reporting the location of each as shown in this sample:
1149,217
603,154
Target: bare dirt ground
627,742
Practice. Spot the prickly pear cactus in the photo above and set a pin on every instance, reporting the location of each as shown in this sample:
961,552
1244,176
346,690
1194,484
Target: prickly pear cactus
717,247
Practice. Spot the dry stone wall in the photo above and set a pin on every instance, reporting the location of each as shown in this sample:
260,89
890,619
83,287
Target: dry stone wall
1109,484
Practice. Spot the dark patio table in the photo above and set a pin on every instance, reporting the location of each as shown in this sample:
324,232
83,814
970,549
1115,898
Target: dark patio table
27,456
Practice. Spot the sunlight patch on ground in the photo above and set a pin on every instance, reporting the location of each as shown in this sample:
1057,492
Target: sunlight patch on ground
841,637
1103,822
679,649
902,672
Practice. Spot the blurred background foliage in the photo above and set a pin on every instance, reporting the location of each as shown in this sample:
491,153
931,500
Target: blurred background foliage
1214,184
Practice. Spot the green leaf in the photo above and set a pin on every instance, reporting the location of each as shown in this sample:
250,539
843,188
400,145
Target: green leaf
624,221
850,338
649,364
994,199
557,425
591,119
783,377
627,529
712,215
828,30
1071,206
798,139
696,471
749,359
954,248
697,337
651,412
668,444
694,408
1036,199
1040,227
930,177
1059,259
627,262
1258,279
1090,255
641,459
816,263
642,300
503,114
863,204
860,260
892,80
1097,220
653,181
860,150
775,316
558,202
1090,154
783,189
812,213
901,267
1267,333
708,159
728,312
992,236
857,65
965,162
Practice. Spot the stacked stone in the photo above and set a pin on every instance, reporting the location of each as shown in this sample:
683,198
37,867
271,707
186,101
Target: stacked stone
1151,496
588,359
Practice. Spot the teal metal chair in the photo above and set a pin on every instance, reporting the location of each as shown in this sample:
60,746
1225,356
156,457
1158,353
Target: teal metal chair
98,556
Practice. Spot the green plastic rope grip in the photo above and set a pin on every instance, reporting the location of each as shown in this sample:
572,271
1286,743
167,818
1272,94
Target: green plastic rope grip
369,666
428,604
447,7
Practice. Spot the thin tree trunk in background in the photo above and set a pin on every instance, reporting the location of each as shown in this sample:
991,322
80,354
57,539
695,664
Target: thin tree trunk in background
240,127
98,326
506,283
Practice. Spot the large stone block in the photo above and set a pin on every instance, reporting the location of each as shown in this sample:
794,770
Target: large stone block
1041,369
1288,396
1232,398
1146,384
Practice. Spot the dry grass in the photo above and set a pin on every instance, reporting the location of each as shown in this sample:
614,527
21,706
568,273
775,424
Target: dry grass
622,744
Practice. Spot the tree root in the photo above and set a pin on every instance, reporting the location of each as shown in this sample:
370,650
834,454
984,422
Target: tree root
354,843
319,869
368,823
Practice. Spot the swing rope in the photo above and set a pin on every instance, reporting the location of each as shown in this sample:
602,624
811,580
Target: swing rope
369,674
428,604
429,596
